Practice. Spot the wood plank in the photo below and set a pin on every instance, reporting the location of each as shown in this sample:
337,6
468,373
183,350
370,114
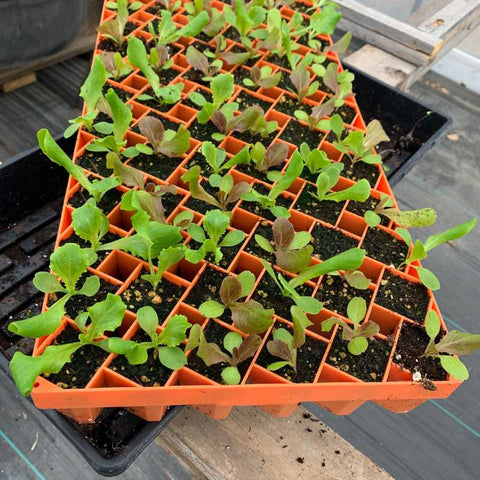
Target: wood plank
389,27
253,444
19,82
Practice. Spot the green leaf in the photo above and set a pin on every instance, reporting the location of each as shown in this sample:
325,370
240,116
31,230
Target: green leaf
174,333
148,320
172,357
458,343
449,235
195,25
357,279
300,323
423,217
300,240
232,340
432,324
122,115
294,261
372,218
196,232
215,223
293,171
137,56
90,287
47,283
357,345
308,304
277,365
231,375
211,309
176,143
404,235
428,278
328,324
454,367
247,281
106,315
26,369
232,238
90,223
358,192
91,90
136,353
356,309
251,316
222,87
418,252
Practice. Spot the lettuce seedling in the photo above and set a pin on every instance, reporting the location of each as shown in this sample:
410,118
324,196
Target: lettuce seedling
249,316
240,348
216,19
68,263
263,159
339,83
268,202
90,223
217,161
91,92
423,217
214,227
420,249
244,18
132,6
262,77
228,191
198,61
137,56
291,249
324,22
348,260
453,342
358,146
318,113
104,316
320,52
285,345
96,188
116,66
166,343
328,178
114,29
170,5
301,80
315,160
358,335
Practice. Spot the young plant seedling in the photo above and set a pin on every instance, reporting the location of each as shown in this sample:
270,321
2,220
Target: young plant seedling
90,223
228,191
318,113
291,249
240,349
96,188
248,316
301,80
244,18
357,337
68,263
209,235
104,316
325,20
315,160
170,5
358,146
114,29
262,77
452,343
264,159
285,345
339,83
217,158
421,249
116,66
132,6
423,217
166,343
198,61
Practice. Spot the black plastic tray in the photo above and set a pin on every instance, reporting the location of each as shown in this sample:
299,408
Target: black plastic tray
31,190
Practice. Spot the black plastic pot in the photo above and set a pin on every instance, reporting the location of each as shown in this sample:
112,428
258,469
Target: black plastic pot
33,29
31,191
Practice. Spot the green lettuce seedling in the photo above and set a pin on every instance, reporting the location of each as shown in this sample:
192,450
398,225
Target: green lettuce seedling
240,348
423,217
358,146
244,18
263,159
116,66
320,51
329,177
96,188
170,5
453,342
420,249
324,22
301,80
114,29
216,19
217,161
285,345
214,227
358,335
348,260
317,114
339,83
228,191
249,316
166,343
262,77
291,249
133,6
199,61
90,223
315,160
104,316
68,263
268,202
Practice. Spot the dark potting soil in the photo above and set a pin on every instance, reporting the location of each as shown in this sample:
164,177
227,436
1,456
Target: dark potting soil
360,170
335,293
108,202
215,333
157,165
189,103
239,74
325,210
309,357
82,366
261,175
122,94
368,366
199,159
232,34
288,104
203,131
296,133
265,230
347,113
406,298
96,162
206,288
149,374
270,296
256,208
332,137
245,100
162,300
411,346
384,247
249,62
200,205
153,102
279,61
360,208
229,253
301,7
196,76
108,45
248,137
328,242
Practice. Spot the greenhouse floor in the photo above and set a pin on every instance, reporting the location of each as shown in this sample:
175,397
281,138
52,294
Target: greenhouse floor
438,440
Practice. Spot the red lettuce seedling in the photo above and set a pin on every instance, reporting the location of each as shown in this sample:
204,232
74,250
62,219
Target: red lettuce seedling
166,343
116,66
453,342
285,345
291,249
114,29
317,114
264,159
104,316
301,80
198,61
358,335
249,316
262,77
240,348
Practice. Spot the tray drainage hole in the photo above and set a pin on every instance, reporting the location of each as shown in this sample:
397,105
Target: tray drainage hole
36,384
